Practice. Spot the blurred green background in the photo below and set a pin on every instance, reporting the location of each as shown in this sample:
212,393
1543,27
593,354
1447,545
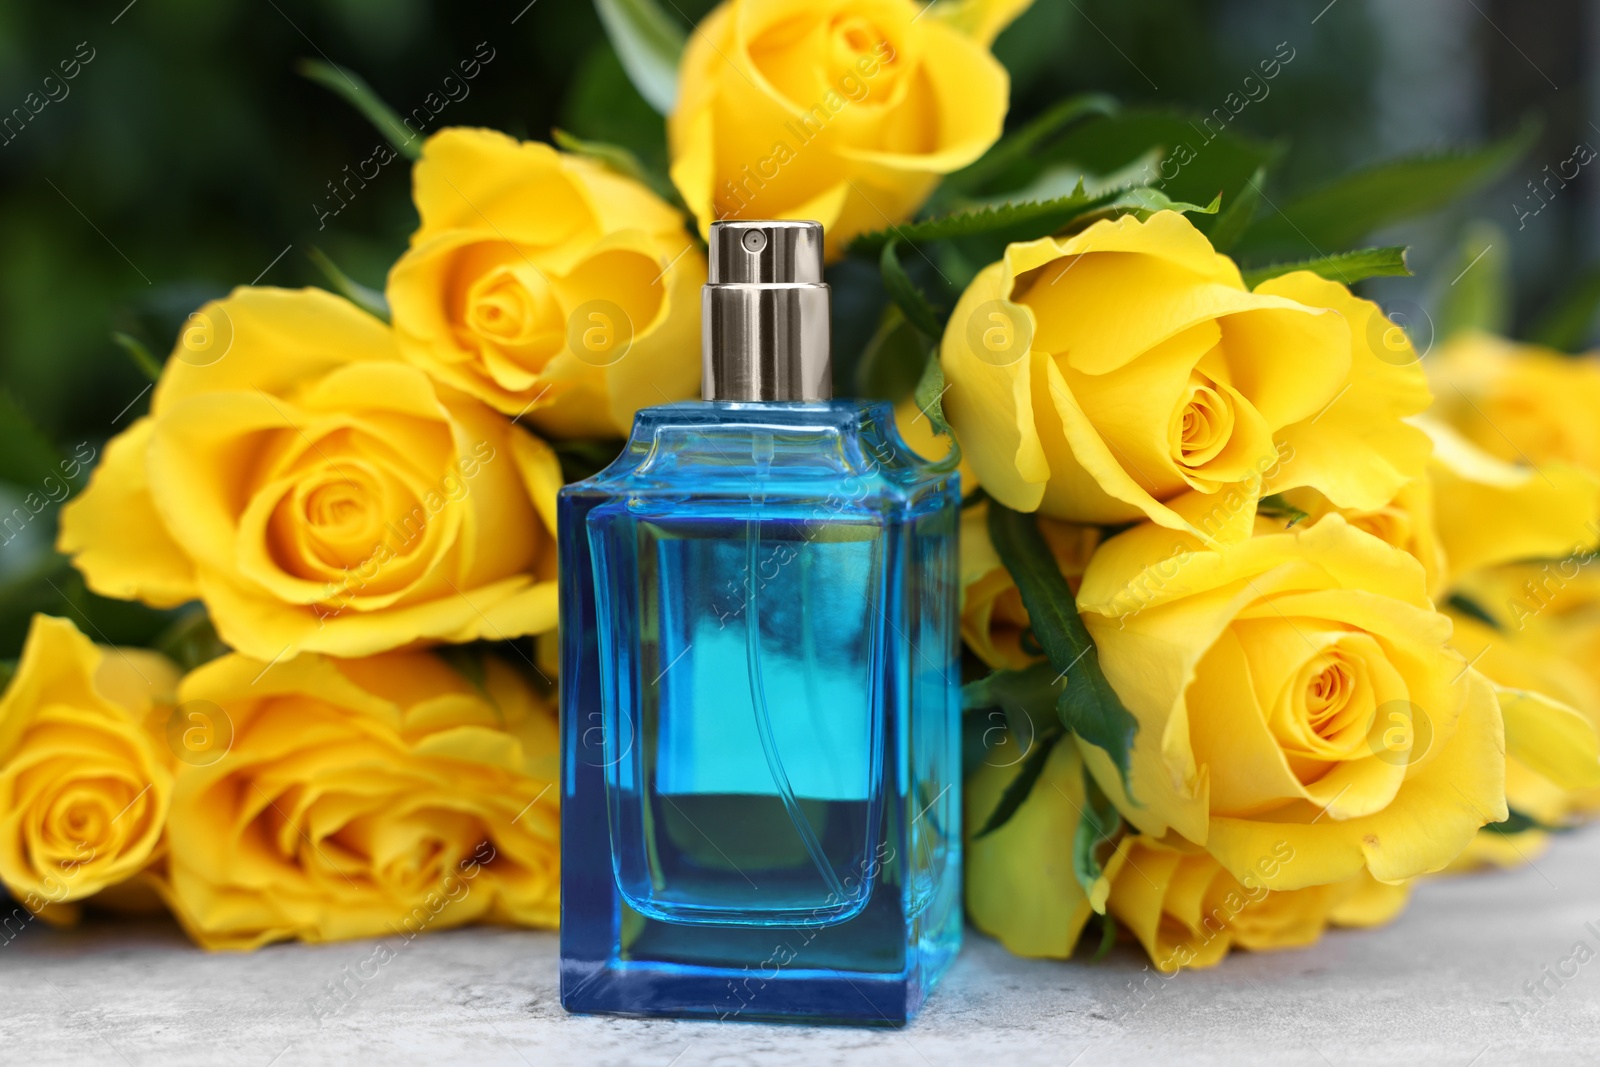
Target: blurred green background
187,156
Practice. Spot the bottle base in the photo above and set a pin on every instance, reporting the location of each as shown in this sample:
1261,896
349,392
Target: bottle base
645,989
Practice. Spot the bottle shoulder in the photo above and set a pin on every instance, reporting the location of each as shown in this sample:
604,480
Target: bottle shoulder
792,450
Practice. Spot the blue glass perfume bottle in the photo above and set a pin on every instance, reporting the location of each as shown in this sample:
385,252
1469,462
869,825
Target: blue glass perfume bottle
759,685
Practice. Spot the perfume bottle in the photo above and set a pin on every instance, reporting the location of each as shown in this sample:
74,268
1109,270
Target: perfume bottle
760,696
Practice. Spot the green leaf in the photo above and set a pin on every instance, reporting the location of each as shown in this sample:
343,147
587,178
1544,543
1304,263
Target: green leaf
1472,609
359,94
1020,787
1108,937
1036,686
1098,823
601,104
1027,696
582,459
1517,823
8,670
904,292
1345,267
1016,147
1142,202
148,365
1568,323
1275,506
617,159
1349,208
1231,224
191,640
27,457
1088,706
1196,160
929,395
1478,296
649,43
893,362
1012,221
368,300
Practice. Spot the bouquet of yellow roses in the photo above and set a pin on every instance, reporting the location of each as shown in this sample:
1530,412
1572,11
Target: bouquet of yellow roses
1266,614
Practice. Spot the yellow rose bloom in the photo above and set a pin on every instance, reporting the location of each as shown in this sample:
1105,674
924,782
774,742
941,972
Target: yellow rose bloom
843,112
1187,911
84,781
1020,887
360,798
993,619
1520,403
1182,906
1470,510
1295,687
1125,372
1549,704
319,493
1406,522
547,286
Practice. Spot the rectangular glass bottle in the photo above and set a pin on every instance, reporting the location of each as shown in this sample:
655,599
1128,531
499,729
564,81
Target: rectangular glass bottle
760,719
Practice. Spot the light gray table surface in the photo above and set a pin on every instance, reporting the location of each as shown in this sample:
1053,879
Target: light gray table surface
1439,986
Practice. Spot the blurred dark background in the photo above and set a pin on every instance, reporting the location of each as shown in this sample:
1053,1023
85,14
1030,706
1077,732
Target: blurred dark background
187,156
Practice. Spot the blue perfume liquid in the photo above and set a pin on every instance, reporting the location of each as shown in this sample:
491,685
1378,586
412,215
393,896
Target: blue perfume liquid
760,719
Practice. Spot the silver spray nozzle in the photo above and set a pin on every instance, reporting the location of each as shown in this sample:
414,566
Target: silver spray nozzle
764,315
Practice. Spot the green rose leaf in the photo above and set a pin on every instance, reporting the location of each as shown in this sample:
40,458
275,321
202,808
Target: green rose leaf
649,42
137,351
1010,221
27,457
904,292
1194,159
1020,787
990,169
1568,323
1088,706
1098,823
191,640
1229,226
929,396
356,92
894,359
618,160
1345,267
1478,296
1349,208
1028,697
369,300
1142,202
1517,823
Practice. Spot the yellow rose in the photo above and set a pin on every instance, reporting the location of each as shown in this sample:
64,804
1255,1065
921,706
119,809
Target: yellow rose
359,798
1296,687
1020,887
1126,372
993,620
1406,522
1546,700
84,782
1179,902
318,492
1471,510
843,112
1520,403
1187,911
547,286
1548,636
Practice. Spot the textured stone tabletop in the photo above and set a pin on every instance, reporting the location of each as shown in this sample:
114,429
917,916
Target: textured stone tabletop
1442,986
